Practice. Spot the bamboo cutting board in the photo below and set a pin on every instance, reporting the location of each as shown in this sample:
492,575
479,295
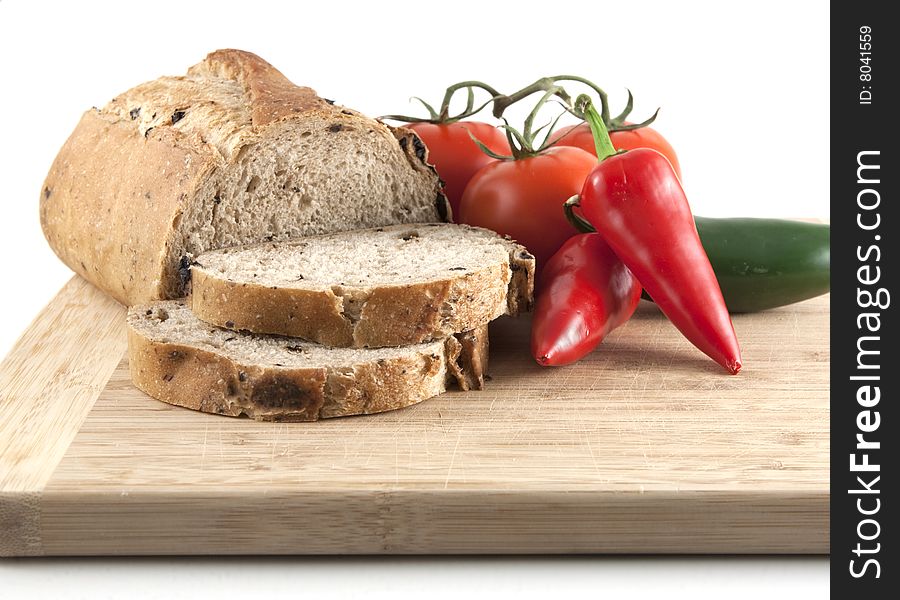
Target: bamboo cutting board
645,447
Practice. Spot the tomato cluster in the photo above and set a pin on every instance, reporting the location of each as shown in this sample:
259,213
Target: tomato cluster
501,179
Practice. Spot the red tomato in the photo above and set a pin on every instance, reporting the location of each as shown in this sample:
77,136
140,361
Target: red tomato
524,198
455,156
645,137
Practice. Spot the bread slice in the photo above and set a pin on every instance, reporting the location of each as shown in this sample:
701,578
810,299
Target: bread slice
231,153
390,286
181,360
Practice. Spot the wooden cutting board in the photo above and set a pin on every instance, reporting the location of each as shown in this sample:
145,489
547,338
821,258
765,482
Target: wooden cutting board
645,447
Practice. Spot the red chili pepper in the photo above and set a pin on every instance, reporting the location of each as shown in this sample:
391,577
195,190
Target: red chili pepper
586,292
635,201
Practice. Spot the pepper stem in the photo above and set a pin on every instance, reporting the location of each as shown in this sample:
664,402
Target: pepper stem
602,141
578,222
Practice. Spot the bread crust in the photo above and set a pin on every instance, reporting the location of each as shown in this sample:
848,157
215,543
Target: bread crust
470,368
380,316
114,197
209,381
112,228
270,95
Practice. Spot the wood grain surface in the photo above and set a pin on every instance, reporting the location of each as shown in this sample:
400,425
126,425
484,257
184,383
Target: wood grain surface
646,446
48,384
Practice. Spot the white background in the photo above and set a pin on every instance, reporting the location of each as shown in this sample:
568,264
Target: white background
744,96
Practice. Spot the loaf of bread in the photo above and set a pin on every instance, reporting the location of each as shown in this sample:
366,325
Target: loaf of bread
231,153
181,360
389,286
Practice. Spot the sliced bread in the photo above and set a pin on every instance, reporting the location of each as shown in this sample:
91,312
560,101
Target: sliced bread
230,153
389,286
179,359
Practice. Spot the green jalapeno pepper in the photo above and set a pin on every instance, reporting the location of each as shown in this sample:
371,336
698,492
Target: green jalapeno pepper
764,263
